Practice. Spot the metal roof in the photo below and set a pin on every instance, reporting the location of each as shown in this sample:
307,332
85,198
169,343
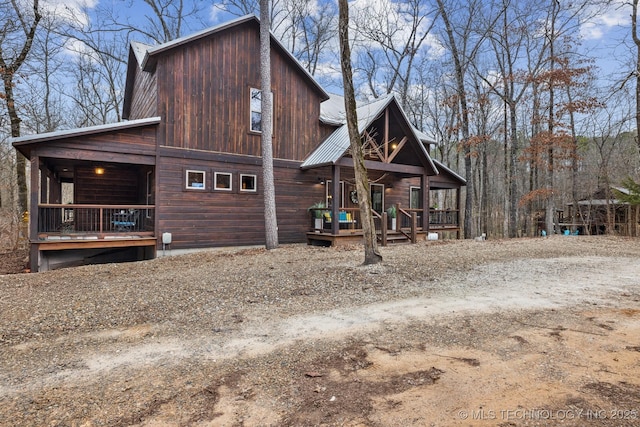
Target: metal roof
29,139
140,51
336,145
443,167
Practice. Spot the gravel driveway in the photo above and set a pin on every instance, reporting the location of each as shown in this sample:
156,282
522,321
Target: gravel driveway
509,332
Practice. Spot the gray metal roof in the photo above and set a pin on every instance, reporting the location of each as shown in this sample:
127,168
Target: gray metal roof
140,51
336,145
443,167
84,131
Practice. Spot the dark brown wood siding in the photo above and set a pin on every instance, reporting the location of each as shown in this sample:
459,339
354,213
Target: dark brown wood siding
139,141
203,93
203,218
144,96
118,185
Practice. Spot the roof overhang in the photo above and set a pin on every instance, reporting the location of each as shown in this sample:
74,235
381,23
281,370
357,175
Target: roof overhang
332,150
24,143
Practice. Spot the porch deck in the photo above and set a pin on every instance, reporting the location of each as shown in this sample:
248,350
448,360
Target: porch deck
408,229
74,234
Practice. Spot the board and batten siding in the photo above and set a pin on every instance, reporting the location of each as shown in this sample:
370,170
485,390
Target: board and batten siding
144,101
209,218
203,97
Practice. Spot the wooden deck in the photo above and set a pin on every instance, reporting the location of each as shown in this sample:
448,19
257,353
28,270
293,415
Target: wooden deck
354,237
78,234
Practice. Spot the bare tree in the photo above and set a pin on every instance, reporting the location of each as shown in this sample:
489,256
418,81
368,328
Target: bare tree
269,193
16,39
636,72
463,49
393,37
371,254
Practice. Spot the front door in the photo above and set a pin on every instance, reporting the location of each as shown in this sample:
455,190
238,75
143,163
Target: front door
377,197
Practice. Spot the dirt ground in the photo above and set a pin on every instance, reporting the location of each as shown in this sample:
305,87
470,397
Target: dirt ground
14,261
522,332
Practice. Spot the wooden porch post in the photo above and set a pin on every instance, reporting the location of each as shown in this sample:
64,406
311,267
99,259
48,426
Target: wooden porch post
335,200
55,190
426,202
33,213
43,186
458,200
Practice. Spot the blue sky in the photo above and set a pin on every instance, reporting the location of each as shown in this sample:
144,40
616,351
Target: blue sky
602,36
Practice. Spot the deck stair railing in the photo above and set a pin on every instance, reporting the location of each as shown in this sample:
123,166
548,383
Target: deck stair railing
408,223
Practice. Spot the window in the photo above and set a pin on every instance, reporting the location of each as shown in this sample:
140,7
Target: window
415,198
329,194
255,107
195,180
256,110
248,183
222,181
377,197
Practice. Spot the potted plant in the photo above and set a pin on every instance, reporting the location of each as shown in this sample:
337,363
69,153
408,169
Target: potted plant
317,211
391,212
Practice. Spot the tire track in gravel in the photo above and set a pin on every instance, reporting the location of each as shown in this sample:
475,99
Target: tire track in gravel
515,285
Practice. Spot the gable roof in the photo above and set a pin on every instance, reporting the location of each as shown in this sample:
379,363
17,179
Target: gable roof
337,144
149,59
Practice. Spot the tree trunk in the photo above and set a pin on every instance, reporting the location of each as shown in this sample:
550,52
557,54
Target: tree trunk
371,254
269,193
8,71
464,116
636,41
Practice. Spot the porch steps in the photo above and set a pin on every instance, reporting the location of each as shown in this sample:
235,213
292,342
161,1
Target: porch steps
396,237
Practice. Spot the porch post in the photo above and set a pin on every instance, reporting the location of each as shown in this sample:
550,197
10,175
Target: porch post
426,202
44,192
458,200
33,213
55,189
335,201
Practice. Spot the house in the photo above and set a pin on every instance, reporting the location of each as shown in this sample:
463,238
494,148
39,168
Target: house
602,213
185,166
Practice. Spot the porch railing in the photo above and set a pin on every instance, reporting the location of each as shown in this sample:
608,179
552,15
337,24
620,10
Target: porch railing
348,218
441,218
73,219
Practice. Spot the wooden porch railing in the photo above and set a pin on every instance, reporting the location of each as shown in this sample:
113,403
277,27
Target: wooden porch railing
441,218
77,219
350,219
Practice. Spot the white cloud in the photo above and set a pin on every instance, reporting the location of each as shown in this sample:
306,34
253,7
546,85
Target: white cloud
72,11
618,14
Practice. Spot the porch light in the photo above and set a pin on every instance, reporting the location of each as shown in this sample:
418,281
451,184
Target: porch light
394,146
99,171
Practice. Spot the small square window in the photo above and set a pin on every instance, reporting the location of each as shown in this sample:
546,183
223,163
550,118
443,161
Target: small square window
222,181
195,180
248,183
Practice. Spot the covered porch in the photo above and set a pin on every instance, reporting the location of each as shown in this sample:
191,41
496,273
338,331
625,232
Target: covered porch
91,202
401,175
397,209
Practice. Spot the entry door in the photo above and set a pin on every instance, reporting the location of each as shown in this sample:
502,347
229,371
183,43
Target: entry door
377,197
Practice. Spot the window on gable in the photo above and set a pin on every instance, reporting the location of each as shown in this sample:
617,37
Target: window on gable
255,106
248,183
222,181
256,110
195,179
